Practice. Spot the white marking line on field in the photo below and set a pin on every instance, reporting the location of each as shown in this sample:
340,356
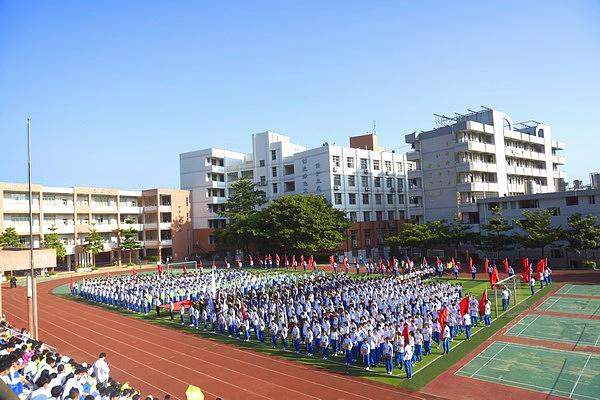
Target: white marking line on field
529,324
540,388
580,373
597,340
479,355
488,361
548,305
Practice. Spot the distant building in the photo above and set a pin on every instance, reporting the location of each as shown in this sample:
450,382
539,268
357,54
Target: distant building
364,180
577,184
162,217
479,155
595,180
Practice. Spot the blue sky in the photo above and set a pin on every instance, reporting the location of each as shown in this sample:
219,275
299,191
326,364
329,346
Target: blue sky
117,89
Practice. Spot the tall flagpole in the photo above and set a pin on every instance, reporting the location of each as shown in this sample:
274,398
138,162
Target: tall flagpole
33,318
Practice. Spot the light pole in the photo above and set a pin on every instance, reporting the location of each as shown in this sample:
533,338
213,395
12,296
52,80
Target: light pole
33,320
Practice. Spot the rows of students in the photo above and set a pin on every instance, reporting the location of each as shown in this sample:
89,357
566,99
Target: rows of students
370,321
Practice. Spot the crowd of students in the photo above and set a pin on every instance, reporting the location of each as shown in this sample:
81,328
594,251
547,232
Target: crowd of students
31,370
389,320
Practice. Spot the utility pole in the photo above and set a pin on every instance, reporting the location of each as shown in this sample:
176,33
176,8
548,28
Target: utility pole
31,289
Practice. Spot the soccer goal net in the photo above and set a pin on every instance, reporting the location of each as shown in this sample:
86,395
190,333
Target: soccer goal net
181,267
508,293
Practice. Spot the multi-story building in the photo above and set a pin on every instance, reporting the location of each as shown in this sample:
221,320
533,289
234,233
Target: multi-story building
561,204
478,155
162,217
364,180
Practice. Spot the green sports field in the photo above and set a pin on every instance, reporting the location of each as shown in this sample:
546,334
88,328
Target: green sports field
581,290
569,374
582,332
570,305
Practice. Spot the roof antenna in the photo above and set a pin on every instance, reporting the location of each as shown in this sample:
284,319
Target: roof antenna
374,132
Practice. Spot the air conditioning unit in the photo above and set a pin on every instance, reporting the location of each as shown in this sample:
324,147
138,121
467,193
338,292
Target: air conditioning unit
336,187
355,243
335,169
367,189
387,173
365,171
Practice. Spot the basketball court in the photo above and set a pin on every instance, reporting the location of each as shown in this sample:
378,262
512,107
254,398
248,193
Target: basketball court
582,332
563,373
571,305
580,290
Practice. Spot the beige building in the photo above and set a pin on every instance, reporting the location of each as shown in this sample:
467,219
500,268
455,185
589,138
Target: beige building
162,217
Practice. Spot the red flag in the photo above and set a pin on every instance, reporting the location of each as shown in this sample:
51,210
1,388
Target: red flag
200,264
526,275
302,259
380,263
243,310
484,299
525,263
331,260
442,315
133,271
277,259
293,260
355,261
470,263
345,262
214,264
408,261
72,284
540,267
505,263
494,278
453,262
464,306
405,333
424,260
438,261
159,268
486,264
184,269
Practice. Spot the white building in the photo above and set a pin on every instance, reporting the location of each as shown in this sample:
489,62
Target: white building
561,204
364,180
478,155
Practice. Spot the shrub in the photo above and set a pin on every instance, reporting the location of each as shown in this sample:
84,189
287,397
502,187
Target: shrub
93,268
130,264
51,273
586,264
151,258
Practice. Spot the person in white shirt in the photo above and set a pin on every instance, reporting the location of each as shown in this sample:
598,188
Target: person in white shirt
101,369
408,355
43,390
467,324
446,337
388,356
532,285
487,317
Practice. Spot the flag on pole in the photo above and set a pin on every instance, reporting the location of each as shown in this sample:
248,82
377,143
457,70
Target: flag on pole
526,274
470,264
464,306
438,261
201,265
425,261
331,260
505,263
302,259
486,264
494,278
345,262
311,261
133,271
484,299
540,267
294,260
277,260
452,261
442,315
184,269
525,263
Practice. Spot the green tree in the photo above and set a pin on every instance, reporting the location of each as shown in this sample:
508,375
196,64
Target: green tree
583,233
497,229
244,199
412,236
460,233
304,223
439,233
10,238
538,230
94,243
129,238
52,241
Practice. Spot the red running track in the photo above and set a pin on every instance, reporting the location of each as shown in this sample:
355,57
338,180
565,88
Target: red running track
159,360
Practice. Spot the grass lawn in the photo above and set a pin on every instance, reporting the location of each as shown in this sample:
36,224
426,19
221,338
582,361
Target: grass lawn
423,372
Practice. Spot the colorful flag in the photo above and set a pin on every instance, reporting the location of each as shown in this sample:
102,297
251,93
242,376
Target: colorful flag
277,259
424,260
494,278
311,261
331,260
464,306
526,275
525,263
345,262
505,263
442,315
484,299
184,269
470,263
438,261
540,267
486,264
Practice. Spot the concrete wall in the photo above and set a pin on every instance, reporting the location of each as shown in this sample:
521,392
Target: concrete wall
18,259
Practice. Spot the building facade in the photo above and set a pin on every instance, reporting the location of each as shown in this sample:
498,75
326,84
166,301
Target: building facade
162,217
479,155
561,204
364,180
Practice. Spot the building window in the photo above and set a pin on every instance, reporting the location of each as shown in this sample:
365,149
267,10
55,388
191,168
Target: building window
212,239
572,201
388,166
351,180
350,162
379,215
261,163
389,182
364,180
352,216
352,198
366,216
554,211
336,161
364,163
378,199
337,197
288,169
399,167
263,180
391,216
555,253
377,181
400,199
290,186
273,155
337,180
390,199
400,183
591,199
365,198
376,165
274,188
354,235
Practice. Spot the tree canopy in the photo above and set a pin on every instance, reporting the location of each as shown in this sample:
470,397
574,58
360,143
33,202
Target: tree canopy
129,238
497,229
538,229
10,238
244,199
583,233
52,241
94,243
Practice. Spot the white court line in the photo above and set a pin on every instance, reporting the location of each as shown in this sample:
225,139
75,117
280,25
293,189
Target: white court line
540,388
548,305
479,355
488,361
580,373
597,340
529,324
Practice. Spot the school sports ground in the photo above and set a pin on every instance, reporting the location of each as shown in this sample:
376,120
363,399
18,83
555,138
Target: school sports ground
547,347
